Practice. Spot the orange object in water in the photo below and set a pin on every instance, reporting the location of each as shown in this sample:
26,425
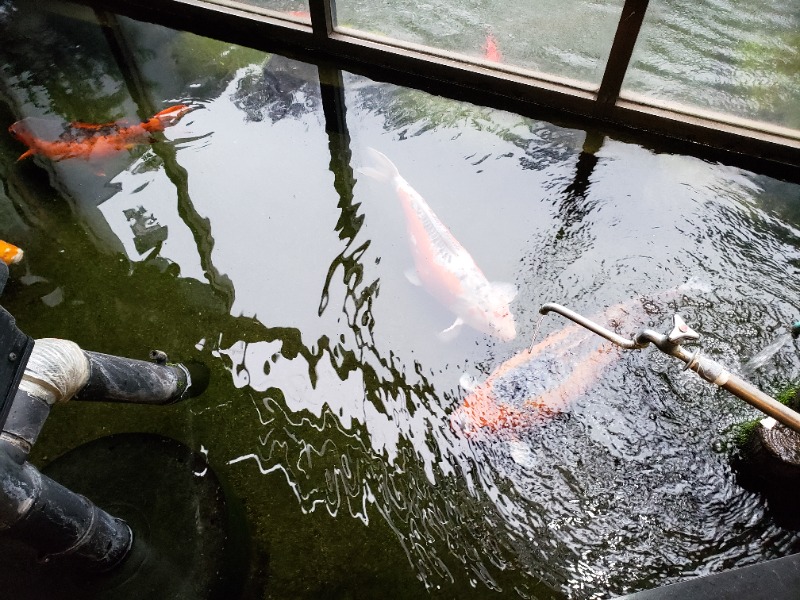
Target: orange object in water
88,140
540,382
9,253
490,49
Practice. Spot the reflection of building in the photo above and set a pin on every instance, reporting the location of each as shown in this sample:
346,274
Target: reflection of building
147,233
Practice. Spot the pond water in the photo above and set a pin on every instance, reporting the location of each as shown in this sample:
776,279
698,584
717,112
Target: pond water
249,236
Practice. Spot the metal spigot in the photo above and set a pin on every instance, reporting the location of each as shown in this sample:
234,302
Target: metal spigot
681,332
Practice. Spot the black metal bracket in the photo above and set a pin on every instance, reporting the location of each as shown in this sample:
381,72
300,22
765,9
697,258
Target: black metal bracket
15,350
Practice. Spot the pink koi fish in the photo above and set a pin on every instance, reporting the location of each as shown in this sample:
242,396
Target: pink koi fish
542,381
444,268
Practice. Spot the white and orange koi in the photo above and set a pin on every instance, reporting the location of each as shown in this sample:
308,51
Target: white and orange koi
444,268
540,382
9,253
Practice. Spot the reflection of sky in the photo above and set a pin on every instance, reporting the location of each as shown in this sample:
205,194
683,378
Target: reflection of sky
268,195
260,366
158,198
641,225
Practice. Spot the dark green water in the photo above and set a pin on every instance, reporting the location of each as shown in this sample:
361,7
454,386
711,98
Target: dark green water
245,237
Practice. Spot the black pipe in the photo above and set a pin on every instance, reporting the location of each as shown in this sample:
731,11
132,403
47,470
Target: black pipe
3,276
118,379
40,512
25,420
57,522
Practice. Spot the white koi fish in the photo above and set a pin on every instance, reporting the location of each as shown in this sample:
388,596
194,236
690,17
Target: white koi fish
444,268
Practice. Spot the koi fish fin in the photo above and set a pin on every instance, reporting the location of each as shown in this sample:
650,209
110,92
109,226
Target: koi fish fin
26,154
382,170
504,293
451,332
412,277
168,116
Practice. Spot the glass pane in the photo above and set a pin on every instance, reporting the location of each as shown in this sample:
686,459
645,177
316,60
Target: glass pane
722,55
567,38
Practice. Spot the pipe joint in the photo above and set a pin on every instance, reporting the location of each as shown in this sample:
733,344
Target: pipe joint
56,370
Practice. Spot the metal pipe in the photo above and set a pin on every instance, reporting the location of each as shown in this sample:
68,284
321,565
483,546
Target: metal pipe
590,325
708,369
58,370
715,373
35,509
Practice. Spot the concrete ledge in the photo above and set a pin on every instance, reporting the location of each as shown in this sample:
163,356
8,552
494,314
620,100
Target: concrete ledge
777,579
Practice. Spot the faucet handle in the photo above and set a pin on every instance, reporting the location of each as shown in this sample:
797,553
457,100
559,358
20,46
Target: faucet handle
681,332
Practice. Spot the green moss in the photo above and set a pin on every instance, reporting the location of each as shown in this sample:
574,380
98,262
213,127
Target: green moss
742,432
788,395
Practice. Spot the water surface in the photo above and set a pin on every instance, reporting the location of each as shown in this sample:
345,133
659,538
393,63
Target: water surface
246,237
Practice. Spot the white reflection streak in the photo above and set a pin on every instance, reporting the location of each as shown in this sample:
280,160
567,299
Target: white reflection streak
386,421
303,499
204,452
261,366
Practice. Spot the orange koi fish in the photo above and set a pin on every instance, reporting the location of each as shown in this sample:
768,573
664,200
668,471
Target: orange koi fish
542,381
88,140
444,267
490,49
9,253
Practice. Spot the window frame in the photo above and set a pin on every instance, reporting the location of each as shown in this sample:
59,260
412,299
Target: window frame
773,149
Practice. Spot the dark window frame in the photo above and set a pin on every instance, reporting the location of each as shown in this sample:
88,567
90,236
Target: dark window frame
772,149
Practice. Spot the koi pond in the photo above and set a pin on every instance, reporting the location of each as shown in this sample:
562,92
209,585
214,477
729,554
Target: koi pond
255,233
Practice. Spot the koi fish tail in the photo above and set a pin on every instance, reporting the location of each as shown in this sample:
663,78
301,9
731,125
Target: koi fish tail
382,170
165,118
